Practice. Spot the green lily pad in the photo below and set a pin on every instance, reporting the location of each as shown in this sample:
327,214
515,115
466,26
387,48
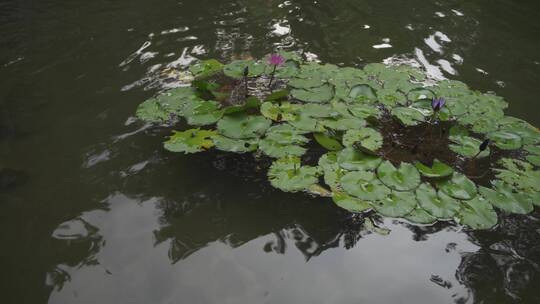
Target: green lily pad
505,140
152,111
350,203
279,112
420,216
351,159
365,186
234,145
503,197
408,116
306,123
519,174
364,111
327,141
420,93
203,113
459,187
277,95
190,141
534,159
391,97
405,178
250,103
437,170
287,174
396,204
320,94
477,214
343,123
368,140
467,146
206,68
236,68
283,140
240,125
528,133
438,204
362,93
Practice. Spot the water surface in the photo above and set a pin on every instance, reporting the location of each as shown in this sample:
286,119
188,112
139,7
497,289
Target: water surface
93,210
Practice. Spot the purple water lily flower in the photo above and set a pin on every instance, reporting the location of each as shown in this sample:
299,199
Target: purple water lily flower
276,59
437,104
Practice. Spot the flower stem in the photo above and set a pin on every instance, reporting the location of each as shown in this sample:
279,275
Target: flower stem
272,76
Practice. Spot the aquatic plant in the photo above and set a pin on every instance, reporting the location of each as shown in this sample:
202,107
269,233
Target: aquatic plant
357,136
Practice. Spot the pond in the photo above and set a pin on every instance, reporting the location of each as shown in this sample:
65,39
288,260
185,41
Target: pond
94,210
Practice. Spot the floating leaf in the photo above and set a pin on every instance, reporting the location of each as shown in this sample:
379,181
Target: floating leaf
366,139
190,141
365,186
408,116
250,103
234,145
350,203
477,214
279,112
283,140
519,174
420,93
351,159
320,94
405,178
459,187
505,199
505,140
396,204
437,170
236,68
203,113
343,123
467,146
241,125
277,95
362,93
420,216
327,141
287,174
438,204
206,68
152,111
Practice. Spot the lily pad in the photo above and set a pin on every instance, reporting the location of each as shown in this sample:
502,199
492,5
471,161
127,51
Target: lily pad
350,203
504,198
405,178
234,145
190,141
320,94
408,116
420,216
366,139
438,204
505,140
396,204
365,186
477,214
459,187
467,146
519,174
152,111
236,68
351,159
327,141
437,170
283,140
362,93
287,174
240,125
279,112
206,68
343,123
203,113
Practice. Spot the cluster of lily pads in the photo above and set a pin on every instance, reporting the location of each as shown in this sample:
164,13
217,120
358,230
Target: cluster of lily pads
350,119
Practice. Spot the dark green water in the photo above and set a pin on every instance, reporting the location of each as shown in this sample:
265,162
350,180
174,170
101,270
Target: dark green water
93,210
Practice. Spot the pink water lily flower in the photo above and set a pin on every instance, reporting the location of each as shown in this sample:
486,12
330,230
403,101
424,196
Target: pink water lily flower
276,59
